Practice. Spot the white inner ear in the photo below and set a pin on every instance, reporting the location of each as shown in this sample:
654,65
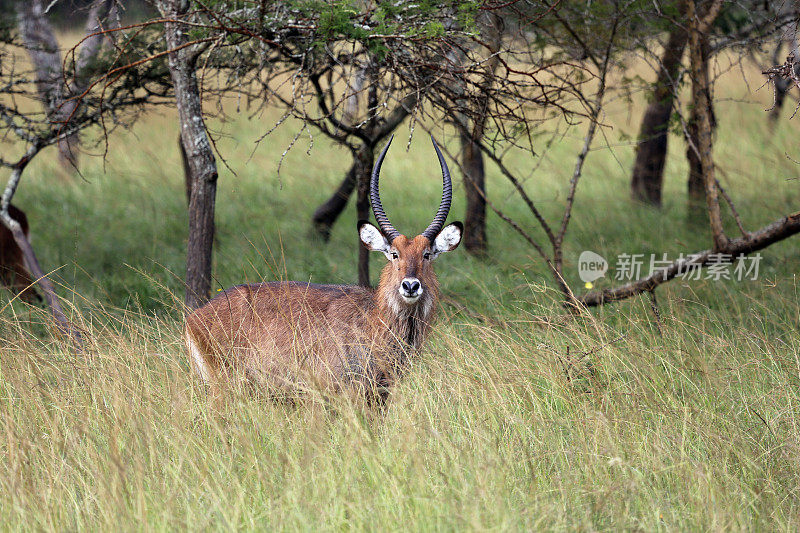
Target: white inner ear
447,240
374,239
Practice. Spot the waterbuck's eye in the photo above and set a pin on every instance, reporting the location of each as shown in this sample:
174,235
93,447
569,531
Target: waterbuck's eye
426,255
395,255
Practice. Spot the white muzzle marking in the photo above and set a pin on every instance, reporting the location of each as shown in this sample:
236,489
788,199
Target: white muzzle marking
410,290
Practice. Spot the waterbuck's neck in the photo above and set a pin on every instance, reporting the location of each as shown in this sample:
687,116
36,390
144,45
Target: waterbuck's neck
408,324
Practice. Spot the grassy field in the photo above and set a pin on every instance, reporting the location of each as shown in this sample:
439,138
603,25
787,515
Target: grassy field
690,425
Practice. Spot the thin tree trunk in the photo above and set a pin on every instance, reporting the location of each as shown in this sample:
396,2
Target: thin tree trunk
326,214
355,86
647,180
365,159
200,156
695,183
475,192
701,98
42,47
475,240
89,50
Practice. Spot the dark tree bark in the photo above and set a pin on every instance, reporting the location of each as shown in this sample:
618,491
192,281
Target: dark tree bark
471,134
694,184
199,154
370,134
474,184
326,214
647,180
365,158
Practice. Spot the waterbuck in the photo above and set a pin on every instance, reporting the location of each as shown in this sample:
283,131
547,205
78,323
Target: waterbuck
291,336
13,271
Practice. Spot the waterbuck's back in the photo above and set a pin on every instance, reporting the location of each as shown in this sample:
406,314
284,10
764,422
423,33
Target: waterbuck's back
290,334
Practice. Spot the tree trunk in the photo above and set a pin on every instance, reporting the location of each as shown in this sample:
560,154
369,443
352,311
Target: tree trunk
695,185
200,157
99,13
42,47
701,99
647,180
187,172
355,86
475,241
364,160
326,214
474,185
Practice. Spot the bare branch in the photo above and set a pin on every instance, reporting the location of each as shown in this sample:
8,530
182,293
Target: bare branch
755,241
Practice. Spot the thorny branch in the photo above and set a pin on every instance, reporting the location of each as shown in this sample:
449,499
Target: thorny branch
786,71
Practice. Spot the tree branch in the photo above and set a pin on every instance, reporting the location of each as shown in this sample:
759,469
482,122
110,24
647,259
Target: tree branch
758,240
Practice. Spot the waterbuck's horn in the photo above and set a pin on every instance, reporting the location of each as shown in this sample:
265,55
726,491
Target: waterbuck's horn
375,198
447,196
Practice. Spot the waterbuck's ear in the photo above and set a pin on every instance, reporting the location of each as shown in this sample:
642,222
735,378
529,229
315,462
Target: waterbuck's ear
372,238
448,239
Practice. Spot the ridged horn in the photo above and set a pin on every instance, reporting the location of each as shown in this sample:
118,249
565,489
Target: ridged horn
375,198
447,196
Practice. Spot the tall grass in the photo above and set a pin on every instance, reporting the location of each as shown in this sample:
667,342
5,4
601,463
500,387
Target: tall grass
513,417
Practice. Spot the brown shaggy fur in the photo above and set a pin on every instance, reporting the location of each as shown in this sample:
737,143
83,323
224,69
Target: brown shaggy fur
291,336
13,273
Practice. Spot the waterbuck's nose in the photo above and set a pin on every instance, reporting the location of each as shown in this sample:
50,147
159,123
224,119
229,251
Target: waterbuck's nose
410,288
